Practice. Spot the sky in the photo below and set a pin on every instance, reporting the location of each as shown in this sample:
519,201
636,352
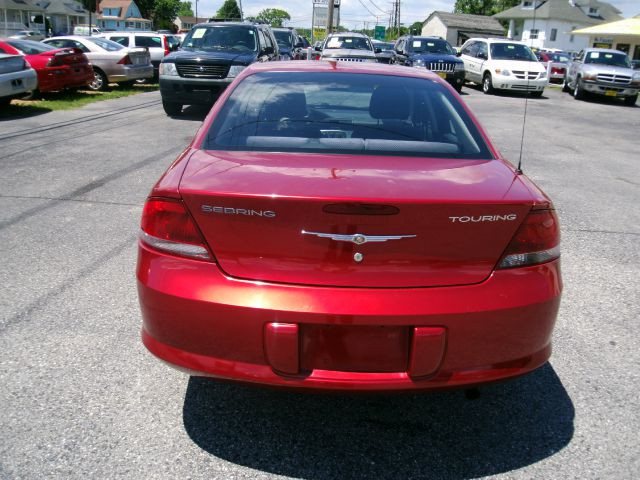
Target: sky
356,12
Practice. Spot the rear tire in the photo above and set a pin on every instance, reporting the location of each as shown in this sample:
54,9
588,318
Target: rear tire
172,109
631,101
487,84
578,91
100,81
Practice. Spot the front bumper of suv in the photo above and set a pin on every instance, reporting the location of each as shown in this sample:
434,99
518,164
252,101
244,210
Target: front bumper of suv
191,91
610,90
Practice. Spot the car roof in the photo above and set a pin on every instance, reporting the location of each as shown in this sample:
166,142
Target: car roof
496,40
604,50
350,34
344,67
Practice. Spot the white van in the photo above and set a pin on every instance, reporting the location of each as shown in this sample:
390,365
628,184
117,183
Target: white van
84,30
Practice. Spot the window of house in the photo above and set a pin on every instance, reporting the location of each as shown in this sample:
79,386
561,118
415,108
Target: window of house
573,27
636,53
527,4
593,11
554,34
623,47
533,33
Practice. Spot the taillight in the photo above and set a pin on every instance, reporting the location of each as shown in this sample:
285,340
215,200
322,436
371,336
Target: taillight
166,225
536,241
167,51
126,60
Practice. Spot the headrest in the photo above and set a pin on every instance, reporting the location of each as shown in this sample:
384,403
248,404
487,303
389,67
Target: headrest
389,103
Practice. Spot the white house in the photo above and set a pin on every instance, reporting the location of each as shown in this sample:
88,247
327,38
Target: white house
20,15
549,23
185,23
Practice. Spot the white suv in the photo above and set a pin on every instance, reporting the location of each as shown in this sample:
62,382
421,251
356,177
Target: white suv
499,63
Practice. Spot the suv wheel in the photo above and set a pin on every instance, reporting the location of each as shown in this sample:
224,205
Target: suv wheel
171,108
631,101
578,91
487,84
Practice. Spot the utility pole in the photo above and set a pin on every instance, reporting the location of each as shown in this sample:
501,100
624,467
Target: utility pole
197,11
330,18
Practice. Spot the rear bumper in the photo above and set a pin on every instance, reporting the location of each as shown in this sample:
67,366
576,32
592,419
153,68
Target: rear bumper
130,72
192,91
610,90
52,79
198,319
16,83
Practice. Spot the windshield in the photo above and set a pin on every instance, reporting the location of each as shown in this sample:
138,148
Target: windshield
241,39
512,51
345,113
29,47
283,37
105,44
356,43
418,45
608,58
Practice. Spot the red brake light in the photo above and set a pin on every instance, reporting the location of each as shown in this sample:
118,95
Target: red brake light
536,241
126,60
165,44
167,226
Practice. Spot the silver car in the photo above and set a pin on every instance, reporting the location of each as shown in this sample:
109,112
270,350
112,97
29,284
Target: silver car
16,77
112,63
35,35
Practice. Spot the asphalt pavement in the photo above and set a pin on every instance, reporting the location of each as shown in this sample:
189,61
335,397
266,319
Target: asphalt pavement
80,397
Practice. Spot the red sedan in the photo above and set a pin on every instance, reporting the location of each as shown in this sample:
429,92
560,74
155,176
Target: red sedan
347,227
57,68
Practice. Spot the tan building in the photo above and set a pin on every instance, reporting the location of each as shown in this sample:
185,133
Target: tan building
623,35
457,28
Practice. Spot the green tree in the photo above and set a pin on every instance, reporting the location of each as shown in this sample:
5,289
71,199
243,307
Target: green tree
416,28
483,7
164,13
229,10
273,16
186,10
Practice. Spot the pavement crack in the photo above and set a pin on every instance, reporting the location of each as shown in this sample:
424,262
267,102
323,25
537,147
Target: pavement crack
64,199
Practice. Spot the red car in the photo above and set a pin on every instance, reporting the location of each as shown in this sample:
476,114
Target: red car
347,226
559,62
57,68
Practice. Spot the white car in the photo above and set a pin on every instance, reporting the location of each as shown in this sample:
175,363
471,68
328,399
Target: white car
502,64
35,35
16,77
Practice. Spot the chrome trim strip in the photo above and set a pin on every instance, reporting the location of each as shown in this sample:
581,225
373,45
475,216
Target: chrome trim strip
357,238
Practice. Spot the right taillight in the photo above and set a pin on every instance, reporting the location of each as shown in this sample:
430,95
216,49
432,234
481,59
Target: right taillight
167,226
536,241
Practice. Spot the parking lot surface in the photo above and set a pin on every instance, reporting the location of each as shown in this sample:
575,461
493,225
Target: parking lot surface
81,398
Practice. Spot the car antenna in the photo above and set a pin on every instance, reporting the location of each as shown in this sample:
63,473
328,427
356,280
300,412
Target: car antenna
528,94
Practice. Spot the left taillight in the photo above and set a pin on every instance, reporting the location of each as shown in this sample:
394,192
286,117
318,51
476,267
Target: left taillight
167,226
126,60
165,44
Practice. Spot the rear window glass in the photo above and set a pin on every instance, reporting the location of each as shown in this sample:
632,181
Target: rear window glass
340,41
284,38
121,40
29,47
105,44
345,113
148,42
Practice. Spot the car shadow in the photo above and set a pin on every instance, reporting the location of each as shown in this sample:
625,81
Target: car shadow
193,112
16,112
427,435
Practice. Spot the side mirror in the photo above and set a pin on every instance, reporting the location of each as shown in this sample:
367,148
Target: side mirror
175,47
318,49
482,56
299,45
377,50
267,50
459,53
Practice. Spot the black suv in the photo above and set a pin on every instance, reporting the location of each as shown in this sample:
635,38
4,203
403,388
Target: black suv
432,53
210,57
289,42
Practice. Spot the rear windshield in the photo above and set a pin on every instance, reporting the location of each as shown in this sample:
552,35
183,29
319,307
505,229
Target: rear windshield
105,44
241,39
560,57
512,51
608,58
340,41
422,45
345,113
29,47
283,38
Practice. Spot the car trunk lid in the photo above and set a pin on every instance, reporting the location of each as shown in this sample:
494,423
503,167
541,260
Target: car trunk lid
350,221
